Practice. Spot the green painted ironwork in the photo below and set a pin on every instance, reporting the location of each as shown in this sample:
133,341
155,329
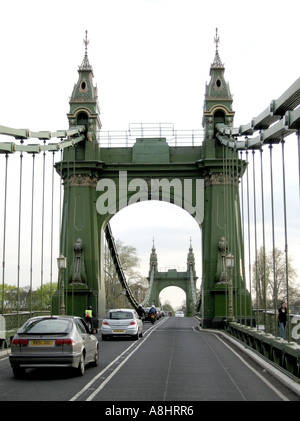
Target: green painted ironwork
159,280
204,180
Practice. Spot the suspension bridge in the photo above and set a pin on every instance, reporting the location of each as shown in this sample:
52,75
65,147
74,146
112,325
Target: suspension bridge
60,206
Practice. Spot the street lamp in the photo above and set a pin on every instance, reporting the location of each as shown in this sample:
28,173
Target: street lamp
62,264
230,265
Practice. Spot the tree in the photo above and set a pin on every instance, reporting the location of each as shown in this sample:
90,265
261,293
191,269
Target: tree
269,278
25,299
167,307
43,296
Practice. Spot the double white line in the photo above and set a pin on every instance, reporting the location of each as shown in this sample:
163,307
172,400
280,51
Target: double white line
135,347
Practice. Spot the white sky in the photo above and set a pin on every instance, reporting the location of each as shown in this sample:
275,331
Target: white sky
151,61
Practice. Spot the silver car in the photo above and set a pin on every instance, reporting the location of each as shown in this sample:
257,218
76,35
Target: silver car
53,341
122,322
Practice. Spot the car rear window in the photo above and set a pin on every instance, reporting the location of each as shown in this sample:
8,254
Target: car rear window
119,315
48,326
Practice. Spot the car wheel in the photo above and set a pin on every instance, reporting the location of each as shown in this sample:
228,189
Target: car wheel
104,337
141,334
19,372
96,360
81,366
136,337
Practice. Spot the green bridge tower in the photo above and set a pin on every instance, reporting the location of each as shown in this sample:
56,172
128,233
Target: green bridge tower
203,180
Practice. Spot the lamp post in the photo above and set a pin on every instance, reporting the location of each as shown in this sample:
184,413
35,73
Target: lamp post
230,265
62,264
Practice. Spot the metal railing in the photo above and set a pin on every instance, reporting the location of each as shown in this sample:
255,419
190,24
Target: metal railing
127,138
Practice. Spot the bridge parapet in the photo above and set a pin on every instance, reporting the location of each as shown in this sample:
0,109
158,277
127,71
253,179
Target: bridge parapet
282,353
11,322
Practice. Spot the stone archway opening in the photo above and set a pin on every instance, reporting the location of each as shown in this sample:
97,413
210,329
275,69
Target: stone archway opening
168,226
174,296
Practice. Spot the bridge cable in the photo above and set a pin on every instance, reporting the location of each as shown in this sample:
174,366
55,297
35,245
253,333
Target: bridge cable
264,239
255,235
225,172
236,228
243,235
52,229
232,220
238,176
273,236
285,232
298,138
75,191
4,231
19,233
43,225
31,231
249,236
115,257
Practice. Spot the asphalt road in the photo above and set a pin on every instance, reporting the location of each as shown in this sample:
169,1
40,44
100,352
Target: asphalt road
173,363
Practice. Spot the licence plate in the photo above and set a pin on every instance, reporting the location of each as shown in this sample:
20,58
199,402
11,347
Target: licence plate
41,342
118,330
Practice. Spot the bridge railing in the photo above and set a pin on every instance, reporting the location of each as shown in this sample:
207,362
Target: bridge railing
11,322
266,320
127,138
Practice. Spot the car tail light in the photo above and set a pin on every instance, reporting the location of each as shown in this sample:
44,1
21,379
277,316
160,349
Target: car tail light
21,342
67,341
105,323
132,322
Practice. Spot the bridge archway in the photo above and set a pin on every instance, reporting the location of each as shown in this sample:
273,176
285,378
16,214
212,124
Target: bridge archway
173,295
171,229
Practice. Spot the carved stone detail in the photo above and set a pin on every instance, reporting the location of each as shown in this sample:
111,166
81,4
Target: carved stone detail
217,179
78,267
81,181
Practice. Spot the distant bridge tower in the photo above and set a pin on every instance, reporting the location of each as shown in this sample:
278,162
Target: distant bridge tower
158,281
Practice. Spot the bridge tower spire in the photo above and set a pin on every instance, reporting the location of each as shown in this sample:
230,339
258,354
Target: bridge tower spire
222,217
81,231
84,107
153,258
217,102
190,257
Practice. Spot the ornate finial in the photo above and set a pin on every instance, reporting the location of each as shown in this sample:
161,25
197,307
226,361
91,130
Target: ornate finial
217,40
85,65
86,42
217,61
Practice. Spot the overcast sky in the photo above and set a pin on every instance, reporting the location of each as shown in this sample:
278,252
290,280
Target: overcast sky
151,61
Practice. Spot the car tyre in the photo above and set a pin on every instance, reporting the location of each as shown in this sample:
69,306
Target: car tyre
19,372
81,366
96,360
104,337
141,334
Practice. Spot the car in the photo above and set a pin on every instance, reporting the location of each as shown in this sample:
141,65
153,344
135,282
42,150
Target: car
179,313
121,322
53,341
147,314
